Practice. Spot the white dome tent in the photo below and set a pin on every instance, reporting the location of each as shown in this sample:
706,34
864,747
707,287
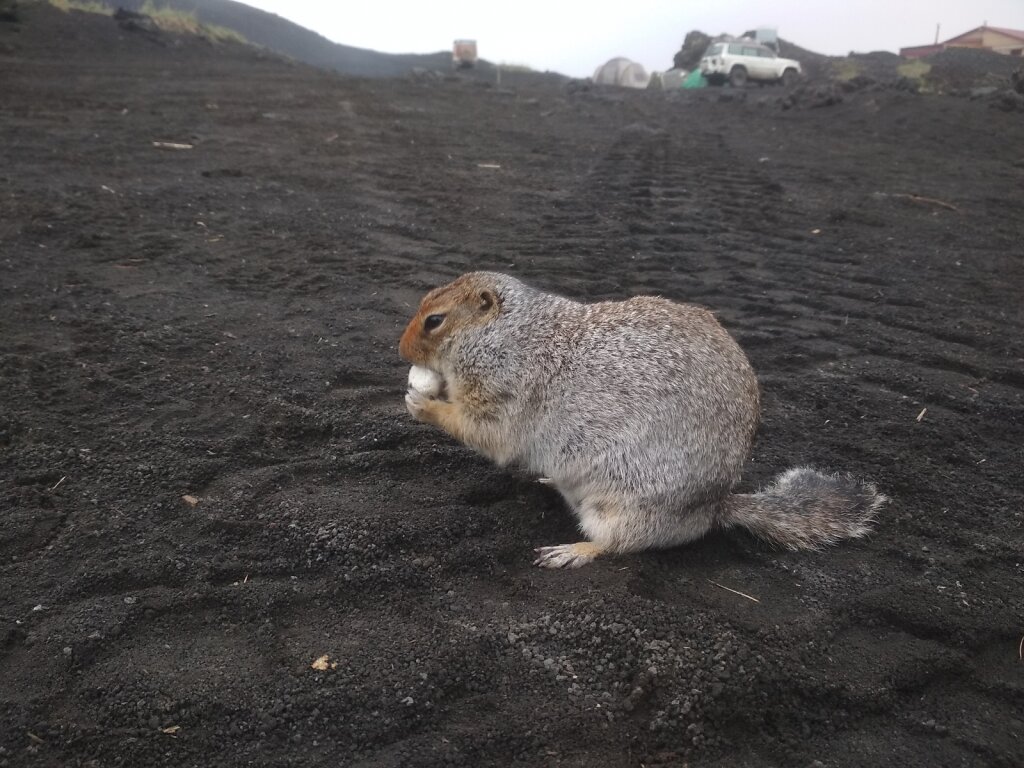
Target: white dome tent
622,72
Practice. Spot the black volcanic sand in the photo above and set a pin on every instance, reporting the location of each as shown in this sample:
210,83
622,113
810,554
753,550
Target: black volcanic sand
221,323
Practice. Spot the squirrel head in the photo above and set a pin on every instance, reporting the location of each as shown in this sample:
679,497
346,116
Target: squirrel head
471,301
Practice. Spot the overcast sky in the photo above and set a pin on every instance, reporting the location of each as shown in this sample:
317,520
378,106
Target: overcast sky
574,37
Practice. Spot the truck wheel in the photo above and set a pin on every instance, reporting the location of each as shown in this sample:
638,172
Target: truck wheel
738,77
789,77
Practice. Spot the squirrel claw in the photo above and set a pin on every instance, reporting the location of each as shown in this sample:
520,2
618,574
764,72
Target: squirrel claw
566,555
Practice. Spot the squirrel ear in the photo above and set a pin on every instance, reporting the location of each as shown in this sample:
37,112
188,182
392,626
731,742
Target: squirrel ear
488,300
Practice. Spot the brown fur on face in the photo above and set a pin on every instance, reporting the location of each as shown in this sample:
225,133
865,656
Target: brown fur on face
466,302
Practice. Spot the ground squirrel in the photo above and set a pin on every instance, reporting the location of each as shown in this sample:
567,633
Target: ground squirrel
640,412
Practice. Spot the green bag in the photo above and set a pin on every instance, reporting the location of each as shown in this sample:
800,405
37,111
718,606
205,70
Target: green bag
695,80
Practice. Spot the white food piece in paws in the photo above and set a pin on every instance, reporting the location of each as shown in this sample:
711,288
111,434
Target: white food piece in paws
425,381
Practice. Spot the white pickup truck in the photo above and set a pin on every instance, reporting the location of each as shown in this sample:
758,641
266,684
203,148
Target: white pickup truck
743,60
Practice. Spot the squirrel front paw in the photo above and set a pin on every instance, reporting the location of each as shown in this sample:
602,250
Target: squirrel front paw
417,404
429,410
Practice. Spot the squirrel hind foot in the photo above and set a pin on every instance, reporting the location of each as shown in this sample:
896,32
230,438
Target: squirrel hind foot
567,555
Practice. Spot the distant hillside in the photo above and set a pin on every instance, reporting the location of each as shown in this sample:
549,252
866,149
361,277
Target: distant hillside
285,37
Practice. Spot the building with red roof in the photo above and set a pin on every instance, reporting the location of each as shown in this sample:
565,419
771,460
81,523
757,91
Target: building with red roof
998,39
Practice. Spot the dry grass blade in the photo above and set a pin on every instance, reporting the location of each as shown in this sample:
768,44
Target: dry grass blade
930,201
734,591
918,199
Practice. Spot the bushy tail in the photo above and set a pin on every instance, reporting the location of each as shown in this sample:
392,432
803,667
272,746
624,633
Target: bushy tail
806,509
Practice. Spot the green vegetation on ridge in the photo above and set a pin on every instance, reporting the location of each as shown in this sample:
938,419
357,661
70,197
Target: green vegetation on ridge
185,22
164,17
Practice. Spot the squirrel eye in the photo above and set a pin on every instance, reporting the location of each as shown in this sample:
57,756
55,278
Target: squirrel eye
433,322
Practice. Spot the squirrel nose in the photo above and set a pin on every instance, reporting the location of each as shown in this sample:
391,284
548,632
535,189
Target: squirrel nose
406,345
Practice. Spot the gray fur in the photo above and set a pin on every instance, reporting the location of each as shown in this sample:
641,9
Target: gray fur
642,413
805,509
